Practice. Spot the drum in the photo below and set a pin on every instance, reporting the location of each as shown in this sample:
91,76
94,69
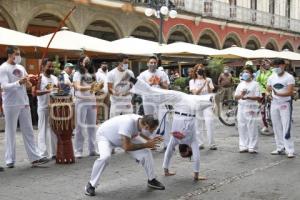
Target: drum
62,122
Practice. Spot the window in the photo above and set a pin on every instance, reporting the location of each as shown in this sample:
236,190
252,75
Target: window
253,11
232,4
254,4
272,6
288,8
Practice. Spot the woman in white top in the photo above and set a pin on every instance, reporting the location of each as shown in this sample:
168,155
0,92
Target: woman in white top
201,85
85,106
248,95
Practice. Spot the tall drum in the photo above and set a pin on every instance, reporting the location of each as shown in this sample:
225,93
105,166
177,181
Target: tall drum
62,121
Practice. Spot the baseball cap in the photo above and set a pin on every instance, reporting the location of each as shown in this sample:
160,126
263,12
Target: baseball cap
69,65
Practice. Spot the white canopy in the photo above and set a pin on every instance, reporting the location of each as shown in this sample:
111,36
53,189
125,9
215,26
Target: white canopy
235,52
289,55
11,37
265,53
68,40
135,46
178,48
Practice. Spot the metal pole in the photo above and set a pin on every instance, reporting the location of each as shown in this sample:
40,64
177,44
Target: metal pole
161,25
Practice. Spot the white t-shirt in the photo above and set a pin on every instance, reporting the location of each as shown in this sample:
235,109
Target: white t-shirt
280,85
67,81
13,94
115,76
197,83
114,128
46,84
85,80
102,77
252,90
154,78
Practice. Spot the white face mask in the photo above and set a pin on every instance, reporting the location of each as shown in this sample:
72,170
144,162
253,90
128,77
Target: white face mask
17,59
124,66
146,132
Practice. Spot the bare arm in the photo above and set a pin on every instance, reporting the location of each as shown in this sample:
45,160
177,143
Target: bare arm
78,87
127,145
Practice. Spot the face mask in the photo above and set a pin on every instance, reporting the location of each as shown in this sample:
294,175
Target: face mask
277,70
246,76
104,69
200,72
152,67
226,71
124,67
17,59
49,71
146,132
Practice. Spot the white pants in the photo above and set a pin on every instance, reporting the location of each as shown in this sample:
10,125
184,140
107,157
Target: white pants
143,156
120,108
281,121
12,114
47,140
247,119
206,117
86,113
185,125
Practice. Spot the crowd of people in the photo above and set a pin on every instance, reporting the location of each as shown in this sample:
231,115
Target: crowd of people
172,117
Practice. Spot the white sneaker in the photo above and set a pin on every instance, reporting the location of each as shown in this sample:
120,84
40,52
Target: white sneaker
264,129
290,155
278,152
78,155
252,151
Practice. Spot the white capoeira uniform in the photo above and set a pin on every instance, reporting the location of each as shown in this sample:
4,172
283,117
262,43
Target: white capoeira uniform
281,112
247,117
120,104
150,108
16,107
205,117
85,111
185,106
109,136
47,140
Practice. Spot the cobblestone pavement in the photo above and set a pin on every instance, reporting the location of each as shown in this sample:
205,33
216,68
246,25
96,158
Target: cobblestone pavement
231,175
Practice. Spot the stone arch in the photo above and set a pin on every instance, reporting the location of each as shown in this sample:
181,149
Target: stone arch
287,45
180,32
232,38
52,9
10,23
107,21
272,44
209,38
253,42
148,29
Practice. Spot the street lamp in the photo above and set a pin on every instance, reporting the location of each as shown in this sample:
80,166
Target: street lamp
161,9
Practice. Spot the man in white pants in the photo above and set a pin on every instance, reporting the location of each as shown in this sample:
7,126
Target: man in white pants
281,84
119,88
123,131
14,80
157,79
183,126
47,141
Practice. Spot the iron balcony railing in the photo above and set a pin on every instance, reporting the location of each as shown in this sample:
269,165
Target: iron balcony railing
225,11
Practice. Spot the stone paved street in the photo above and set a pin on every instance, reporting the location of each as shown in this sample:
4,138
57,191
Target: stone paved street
231,175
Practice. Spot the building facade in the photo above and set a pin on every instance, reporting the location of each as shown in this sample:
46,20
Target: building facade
274,24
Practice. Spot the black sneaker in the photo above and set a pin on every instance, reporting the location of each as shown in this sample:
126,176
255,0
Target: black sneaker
90,190
40,162
155,184
10,165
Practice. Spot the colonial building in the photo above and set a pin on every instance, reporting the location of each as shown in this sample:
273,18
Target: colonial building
274,24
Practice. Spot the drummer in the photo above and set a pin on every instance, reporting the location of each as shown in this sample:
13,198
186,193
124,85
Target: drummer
47,140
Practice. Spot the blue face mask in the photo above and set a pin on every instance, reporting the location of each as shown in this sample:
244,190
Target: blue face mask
246,76
277,70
